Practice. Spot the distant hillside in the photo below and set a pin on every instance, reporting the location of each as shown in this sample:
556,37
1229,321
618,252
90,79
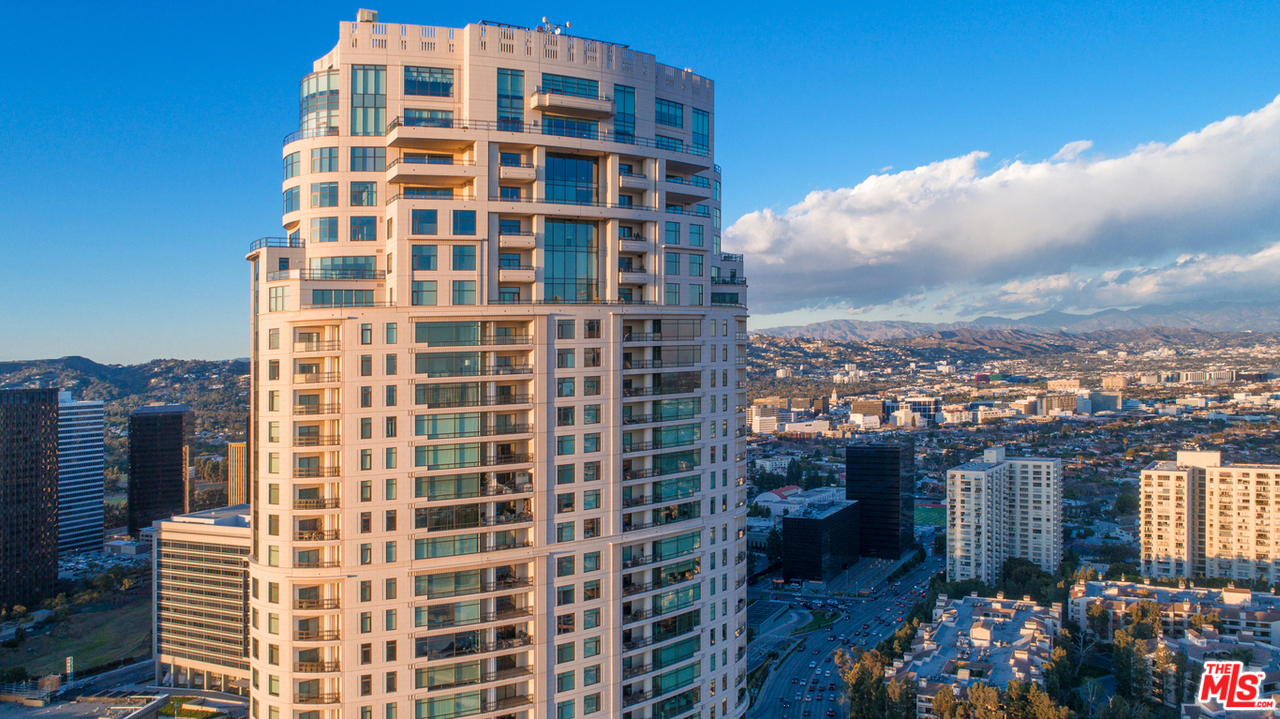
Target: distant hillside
1023,343
1209,317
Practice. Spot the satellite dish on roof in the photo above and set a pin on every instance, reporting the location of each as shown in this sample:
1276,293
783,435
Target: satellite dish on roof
544,19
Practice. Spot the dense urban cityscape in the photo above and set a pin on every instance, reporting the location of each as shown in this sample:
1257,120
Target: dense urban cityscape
471,468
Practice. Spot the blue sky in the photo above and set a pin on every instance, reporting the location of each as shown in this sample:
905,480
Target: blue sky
143,144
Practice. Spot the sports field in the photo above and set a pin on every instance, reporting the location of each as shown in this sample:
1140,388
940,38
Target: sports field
931,516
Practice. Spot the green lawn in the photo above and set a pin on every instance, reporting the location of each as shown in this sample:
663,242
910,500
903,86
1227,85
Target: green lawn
821,618
92,638
931,516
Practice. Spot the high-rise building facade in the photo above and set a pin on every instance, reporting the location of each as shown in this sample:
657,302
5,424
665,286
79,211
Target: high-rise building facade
1204,517
28,495
881,477
200,594
237,474
81,464
1002,507
498,407
160,483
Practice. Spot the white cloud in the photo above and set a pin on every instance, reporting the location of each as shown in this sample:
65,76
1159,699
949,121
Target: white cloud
1037,235
1072,150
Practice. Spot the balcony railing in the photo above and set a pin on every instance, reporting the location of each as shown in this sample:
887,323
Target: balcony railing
629,672
484,619
728,257
574,203
501,301
654,337
657,444
316,635
644,559
636,697
326,275
498,521
528,268
288,242
482,648
536,128
329,503
696,212
353,303
655,391
498,586
639,175
694,181
451,197
314,604
629,502
653,418
305,472
315,667
495,401
310,133
317,440
315,535
431,161
316,698
658,471
326,346
657,364
317,564
317,377
741,281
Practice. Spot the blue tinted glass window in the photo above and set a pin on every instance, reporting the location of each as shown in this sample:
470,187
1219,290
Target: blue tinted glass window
428,118
464,223
701,129
368,159
569,127
571,261
292,164
364,229
464,292
673,233
364,194
324,229
324,194
292,200
424,293
424,222
464,257
508,227
510,194
624,122
669,143
324,159
668,113
673,263
428,81
510,98
570,180
424,257
368,99
695,235
565,85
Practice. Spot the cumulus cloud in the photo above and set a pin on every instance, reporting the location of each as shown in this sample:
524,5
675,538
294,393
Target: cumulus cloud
1069,232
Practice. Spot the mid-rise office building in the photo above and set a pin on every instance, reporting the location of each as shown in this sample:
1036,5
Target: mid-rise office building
237,473
200,598
820,541
498,408
1204,517
160,482
28,495
1003,507
81,465
880,476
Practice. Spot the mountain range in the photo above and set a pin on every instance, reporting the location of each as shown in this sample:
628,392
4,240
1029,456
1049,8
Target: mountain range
1211,317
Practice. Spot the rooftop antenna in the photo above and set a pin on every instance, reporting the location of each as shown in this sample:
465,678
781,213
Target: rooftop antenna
547,25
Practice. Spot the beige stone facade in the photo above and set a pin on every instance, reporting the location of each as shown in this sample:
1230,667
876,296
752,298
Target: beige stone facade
498,407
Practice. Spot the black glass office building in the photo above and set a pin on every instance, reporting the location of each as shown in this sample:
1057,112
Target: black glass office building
881,477
159,457
28,495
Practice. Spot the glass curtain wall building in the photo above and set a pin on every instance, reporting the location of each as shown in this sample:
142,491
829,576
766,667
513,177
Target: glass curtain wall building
497,453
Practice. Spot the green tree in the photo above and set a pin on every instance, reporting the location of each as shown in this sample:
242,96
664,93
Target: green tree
759,510
984,702
944,703
901,700
1099,621
773,547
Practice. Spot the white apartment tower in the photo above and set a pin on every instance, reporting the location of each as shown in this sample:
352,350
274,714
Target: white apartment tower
498,364
1201,517
1002,507
81,464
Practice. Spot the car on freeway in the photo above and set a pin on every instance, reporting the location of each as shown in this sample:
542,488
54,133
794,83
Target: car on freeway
812,664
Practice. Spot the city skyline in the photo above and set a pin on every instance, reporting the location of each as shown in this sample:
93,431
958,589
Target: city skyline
1029,87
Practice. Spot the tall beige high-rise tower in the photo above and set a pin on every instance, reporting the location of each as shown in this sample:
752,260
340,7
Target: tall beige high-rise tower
498,372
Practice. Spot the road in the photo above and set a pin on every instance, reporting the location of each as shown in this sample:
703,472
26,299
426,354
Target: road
796,675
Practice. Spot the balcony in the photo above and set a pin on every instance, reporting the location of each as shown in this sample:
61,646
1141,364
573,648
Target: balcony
633,276
636,697
516,273
301,274
632,181
316,635
327,346
482,648
630,502
317,378
486,587
698,211
311,409
647,472
485,618
518,173
413,196
650,446
315,667
446,135
695,189
315,698
317,564
501,400
309,504
632,672
401,170
656,418
517,240
317,440
633,243
656,391
314,604
316,535
727,257
657,364
656,337
496,460
285,242
311,133
546,100
313,472
736,281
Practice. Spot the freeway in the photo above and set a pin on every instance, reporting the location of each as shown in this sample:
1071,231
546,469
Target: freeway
807,683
